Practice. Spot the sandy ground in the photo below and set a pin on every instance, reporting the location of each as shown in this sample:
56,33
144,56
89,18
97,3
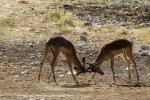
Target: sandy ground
18,79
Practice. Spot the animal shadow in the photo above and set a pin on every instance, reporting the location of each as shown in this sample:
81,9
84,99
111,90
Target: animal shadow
134,85
81,85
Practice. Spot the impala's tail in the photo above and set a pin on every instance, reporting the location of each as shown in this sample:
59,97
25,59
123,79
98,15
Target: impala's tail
46,51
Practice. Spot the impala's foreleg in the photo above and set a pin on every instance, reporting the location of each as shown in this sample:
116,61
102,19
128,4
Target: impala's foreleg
112,69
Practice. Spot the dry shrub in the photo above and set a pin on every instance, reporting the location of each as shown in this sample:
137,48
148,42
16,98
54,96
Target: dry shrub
60,18
63,22
23,2
7,22
122,31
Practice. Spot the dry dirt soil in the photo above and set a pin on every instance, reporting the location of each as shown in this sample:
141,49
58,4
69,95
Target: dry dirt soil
19,68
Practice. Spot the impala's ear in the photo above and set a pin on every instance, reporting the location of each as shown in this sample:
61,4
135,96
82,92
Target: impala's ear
83,61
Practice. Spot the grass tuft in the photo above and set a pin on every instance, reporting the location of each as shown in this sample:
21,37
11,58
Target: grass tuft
63,22
7,22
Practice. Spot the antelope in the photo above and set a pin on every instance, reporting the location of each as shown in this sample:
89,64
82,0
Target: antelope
58,44
109,51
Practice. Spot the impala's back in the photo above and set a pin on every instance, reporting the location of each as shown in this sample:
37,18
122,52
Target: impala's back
60,42
114,48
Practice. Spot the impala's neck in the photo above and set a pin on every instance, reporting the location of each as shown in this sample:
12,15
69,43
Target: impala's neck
77,62
99,59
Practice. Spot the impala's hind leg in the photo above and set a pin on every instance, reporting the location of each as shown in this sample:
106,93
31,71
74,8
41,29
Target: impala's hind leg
126,60
44,58
130,55
53,62
51,70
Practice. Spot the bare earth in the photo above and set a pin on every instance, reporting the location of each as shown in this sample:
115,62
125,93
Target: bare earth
18,79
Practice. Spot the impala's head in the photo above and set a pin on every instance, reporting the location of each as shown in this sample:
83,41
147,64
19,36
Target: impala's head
81,69
94,68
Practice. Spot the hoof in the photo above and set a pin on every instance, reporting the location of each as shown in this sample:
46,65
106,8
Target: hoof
77,83
48,81
129,82
88,81
114,84
138,84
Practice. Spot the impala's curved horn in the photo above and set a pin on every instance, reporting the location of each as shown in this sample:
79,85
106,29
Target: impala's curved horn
89,64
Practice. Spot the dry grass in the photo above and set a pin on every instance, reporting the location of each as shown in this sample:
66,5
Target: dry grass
56,20
63,22
92,1
142,35
7,22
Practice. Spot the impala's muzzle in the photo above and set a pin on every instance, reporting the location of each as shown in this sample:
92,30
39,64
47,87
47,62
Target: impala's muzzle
80,70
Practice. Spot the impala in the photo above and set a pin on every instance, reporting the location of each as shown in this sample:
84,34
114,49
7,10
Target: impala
57,45
109,51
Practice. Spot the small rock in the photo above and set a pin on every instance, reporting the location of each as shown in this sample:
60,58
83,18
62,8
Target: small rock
32,56
83,38
144,47
148,74
28,43
23,67
56,33
140,51
24,72
47,7
144,53
32,98
35,63
1,53
88,23
31,44
131,68
32,8
68,7
68,72
23,2
39,55
16,77
42,98
83,33
21,63
34,68
61,75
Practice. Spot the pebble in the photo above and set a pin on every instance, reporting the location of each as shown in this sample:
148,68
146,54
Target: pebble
69,73
24,72
88,23
1,53
61,75
83,38
144,53
83,33
42,98
35,63
144,47
28,43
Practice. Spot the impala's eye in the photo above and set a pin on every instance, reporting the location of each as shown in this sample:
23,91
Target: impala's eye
75,68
